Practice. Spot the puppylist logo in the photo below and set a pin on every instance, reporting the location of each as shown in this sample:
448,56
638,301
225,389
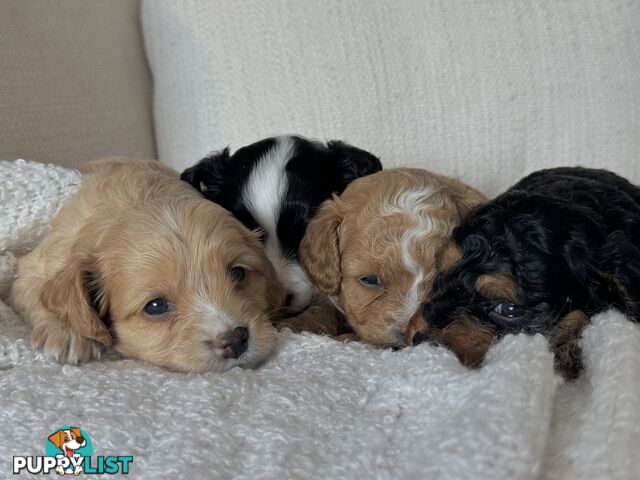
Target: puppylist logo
69,451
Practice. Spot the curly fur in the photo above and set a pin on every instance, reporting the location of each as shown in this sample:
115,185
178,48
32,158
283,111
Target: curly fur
388,225
565,240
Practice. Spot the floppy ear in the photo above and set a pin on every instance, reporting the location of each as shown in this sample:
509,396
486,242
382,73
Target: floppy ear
68,295
582,266
620,266
319,249
57,438
207,176
354,162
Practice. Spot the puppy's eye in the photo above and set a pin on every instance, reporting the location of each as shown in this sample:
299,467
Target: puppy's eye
371,281
237,274
157,306
509,310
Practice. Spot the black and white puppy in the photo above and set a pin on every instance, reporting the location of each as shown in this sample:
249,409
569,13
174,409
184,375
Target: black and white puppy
275,185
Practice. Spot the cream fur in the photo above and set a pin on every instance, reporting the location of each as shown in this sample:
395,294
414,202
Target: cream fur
132,233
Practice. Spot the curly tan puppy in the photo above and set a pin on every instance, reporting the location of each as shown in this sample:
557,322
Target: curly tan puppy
373,249
139,260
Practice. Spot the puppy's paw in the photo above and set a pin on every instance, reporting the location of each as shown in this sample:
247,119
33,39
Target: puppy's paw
64,345
321,319
567,360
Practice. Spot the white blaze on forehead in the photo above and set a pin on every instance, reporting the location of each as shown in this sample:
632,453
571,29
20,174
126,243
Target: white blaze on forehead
267,185
414,203
263,194
215,320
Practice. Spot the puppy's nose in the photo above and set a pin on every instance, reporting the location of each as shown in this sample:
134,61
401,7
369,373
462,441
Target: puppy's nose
419,337
237,342
80,439
288,300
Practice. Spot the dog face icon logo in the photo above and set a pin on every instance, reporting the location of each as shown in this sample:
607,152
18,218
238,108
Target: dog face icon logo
69,451
69,440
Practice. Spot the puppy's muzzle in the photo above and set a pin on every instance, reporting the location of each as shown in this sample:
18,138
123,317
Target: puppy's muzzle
235,342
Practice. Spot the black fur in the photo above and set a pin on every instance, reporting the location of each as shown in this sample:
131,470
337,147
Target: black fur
314,171
570,237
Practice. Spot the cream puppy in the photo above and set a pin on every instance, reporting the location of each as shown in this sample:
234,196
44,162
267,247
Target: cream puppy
139,260
373,248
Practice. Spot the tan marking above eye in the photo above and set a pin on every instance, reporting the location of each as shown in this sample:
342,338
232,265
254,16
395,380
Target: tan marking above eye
499,286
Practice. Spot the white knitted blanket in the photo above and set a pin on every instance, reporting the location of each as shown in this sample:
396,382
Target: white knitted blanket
319,408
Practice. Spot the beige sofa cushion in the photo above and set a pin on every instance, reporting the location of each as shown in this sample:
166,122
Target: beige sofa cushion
486,90
74,84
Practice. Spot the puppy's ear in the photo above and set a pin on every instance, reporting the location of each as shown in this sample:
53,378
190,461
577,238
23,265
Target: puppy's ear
319,249
207,176
57,438
354,162
68,295
582,266
620,266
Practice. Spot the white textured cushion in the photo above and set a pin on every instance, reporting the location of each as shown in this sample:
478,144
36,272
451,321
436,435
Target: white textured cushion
484,89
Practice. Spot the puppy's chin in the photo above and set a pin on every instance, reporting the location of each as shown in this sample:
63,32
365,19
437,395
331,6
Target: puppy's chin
381,336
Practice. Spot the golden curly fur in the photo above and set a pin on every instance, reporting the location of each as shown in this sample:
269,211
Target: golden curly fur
388,225
133,233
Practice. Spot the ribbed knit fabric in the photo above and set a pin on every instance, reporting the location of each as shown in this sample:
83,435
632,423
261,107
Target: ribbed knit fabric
488,90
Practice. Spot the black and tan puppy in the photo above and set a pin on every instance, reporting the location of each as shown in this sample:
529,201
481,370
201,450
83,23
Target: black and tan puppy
560,246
